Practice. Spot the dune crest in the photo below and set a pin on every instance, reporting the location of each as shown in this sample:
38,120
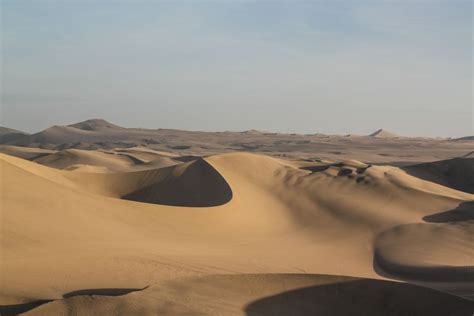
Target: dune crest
94,125
381,133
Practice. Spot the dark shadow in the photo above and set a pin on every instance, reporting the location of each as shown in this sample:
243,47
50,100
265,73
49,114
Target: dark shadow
464,212
186,158
363,169
323,167
344,172
316,168
11,310
361,297
200,185
135,160
360,179
103,292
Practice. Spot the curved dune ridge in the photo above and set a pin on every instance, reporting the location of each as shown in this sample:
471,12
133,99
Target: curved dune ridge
236,214
195,184
428,252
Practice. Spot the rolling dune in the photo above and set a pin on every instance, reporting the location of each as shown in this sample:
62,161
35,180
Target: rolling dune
235,213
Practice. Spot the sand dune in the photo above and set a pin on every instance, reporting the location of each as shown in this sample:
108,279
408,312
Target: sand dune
71,158
10,134
263,295
195,184
6,131
457,173
428,252
382,147
235,213
25,152
95,125
381,133
111,160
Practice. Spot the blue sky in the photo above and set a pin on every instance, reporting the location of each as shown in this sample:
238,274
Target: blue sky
306,67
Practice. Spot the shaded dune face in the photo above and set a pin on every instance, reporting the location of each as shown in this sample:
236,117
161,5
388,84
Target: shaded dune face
198,185
463,212
360,297
457,173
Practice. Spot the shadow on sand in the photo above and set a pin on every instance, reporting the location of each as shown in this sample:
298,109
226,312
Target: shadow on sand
361,297
200,185
10,310
464,212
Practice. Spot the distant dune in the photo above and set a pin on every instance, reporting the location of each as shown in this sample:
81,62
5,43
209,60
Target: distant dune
25,152
381,133
95,125
6,130
379,147
466,138
9,134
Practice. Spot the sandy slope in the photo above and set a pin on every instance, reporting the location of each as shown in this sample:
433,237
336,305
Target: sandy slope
232,214
263,295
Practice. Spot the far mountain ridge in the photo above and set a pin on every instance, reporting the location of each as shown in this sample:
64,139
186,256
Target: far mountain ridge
94,125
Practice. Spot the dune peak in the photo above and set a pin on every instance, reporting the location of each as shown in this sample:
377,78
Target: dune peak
382,133
94,124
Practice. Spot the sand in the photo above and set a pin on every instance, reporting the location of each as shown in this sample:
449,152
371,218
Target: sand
380,147
138,231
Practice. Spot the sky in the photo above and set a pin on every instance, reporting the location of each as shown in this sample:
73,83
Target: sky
333,67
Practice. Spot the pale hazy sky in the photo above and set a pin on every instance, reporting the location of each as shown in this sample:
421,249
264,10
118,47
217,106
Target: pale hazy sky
288,66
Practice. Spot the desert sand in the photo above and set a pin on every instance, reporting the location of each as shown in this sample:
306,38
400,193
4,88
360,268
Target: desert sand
98,219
